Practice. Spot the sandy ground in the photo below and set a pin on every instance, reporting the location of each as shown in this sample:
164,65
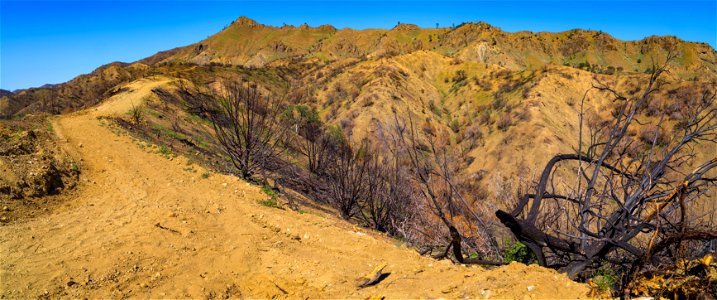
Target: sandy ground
142,225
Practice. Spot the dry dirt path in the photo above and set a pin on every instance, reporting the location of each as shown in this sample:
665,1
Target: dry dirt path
144,226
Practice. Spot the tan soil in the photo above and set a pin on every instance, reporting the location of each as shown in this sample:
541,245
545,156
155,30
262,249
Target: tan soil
143,226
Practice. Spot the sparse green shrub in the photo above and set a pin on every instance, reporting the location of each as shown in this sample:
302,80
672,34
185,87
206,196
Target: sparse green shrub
518,252
305,113
165,151
584,65
268,191
271,202
432,106
604,280
136,113
206,175
459,80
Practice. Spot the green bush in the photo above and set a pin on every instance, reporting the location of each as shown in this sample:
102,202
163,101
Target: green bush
271,202
165,151
604,280
268,191
518,252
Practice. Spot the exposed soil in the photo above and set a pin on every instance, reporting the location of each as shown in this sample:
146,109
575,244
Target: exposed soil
34,171
143,224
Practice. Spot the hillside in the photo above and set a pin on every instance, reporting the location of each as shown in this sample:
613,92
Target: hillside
248,43
142,224
156,195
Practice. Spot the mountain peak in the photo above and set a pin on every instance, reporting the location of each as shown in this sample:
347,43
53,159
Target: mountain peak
246,22
406,27
327,27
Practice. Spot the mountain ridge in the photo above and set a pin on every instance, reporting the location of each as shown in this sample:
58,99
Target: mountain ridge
248,43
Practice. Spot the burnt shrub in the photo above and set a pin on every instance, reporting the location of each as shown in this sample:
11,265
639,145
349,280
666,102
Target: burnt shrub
504,122
653,132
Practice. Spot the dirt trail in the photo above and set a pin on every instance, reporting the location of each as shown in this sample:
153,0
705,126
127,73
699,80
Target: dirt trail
144,226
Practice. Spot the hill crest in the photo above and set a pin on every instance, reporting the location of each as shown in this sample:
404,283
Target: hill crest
251,44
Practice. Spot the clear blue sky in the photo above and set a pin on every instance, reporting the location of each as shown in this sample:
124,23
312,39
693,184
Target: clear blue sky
54,41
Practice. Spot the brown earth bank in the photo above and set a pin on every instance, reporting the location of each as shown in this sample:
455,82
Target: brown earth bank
143,224
35,174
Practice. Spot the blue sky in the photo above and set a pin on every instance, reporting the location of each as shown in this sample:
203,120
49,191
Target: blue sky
54,41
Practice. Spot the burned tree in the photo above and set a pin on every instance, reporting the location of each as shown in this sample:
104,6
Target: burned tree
314,141
388,200
632,201
432,173
346,179
246,126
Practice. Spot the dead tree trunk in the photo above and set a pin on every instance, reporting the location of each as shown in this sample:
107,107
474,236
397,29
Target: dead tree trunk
626,190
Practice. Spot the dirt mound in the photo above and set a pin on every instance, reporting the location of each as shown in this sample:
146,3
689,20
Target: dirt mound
31,164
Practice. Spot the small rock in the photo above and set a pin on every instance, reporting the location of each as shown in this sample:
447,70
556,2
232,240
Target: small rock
5,208
71,282
79,145
4,219
224,184
448,290
531,288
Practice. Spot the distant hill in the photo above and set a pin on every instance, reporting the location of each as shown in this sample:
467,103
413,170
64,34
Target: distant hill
5,93
248,43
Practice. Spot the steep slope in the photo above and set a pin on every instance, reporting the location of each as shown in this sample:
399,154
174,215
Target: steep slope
509,123
143,225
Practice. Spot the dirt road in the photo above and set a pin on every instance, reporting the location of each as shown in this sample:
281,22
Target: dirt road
142,225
